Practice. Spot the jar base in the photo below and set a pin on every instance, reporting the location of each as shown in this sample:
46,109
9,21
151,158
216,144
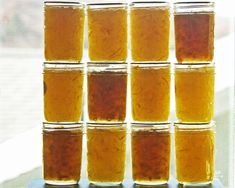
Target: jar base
150,183
104,184
61,182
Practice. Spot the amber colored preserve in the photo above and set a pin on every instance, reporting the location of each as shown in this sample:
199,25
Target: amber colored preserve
150,155
107,32
106,151
194,92
194,37
194,149
64,30
107,92
150,26
62,152
150,92
63,94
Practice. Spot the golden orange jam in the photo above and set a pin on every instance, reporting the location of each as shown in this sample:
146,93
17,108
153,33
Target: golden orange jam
150,26
107,32
150,154
194,37
194,149
62,153
194,92
106,151
64,30
63,94
150,92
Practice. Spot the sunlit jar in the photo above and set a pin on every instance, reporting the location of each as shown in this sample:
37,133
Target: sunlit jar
150,91
107,31
150,148
194,31
106,153
63,31
150,26
107,90
194,153
194,92
62,152
63,92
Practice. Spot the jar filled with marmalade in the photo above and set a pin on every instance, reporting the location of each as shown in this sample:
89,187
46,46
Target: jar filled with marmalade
62,153
107,31
150,30
106,153
194,31
107,90
194,92
63,91
150,148
194,152
150,91
63,31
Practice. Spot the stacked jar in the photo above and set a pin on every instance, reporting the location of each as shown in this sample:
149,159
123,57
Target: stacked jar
63,78
194,92
150,92
107,79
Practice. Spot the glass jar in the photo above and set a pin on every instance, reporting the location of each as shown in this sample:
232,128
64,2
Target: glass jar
150,148
194,92
106,153
62,152
150,26
107,31
107,90
63,92
150,92
194,31
63,31
194,152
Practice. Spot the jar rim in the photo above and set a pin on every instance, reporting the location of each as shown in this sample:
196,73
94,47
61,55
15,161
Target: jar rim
140,4
56,65
64,3
106,5
198,126
106,125
50,126
151,125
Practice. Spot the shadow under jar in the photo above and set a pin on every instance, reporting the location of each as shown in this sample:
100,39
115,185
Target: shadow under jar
63,31
63,92
150,91
150,26
62,152
150,148
194,92
107,90
106,153
194,31
194,150
107,31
